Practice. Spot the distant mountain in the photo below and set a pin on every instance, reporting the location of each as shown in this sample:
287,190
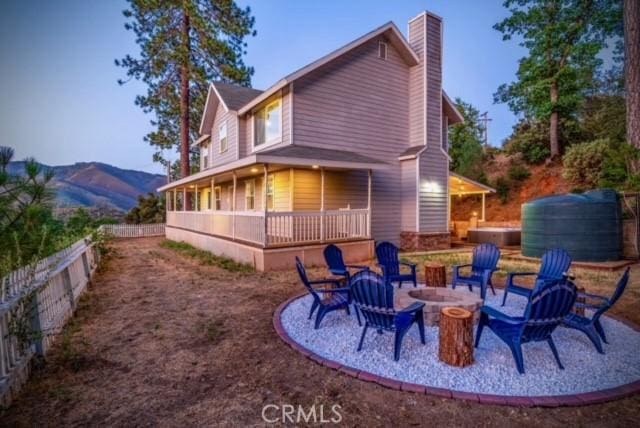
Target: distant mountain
95,184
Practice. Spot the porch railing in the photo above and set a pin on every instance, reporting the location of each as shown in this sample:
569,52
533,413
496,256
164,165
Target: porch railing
280,228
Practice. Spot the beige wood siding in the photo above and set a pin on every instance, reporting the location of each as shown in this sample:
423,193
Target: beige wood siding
359,103
231,153
416,83
409,193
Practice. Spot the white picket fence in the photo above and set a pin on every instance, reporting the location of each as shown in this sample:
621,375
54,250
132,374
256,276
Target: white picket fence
133,230
41,298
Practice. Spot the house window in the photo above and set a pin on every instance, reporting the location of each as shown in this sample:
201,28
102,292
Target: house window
267,124
230,198
205,156
270,191
249,195
382,50
224,142
217,197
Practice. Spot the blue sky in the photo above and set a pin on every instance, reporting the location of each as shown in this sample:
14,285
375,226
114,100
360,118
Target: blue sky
61,102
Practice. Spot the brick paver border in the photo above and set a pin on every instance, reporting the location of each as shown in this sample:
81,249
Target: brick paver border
595,397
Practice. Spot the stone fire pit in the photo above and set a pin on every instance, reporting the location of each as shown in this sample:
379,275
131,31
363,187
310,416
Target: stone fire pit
437,298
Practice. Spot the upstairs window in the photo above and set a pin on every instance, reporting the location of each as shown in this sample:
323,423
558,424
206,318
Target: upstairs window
249,195
224,142
267,124
205,156
382,50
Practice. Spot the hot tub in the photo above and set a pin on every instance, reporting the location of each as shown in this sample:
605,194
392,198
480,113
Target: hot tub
500,236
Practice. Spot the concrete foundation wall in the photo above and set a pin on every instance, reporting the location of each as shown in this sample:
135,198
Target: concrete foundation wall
271,258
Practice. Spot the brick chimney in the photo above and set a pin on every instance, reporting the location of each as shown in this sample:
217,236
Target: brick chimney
425,84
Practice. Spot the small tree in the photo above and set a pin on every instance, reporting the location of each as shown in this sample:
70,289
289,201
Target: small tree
563,39
583,163
150,209
465,143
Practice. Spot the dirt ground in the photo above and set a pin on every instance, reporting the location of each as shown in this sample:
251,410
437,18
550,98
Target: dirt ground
160,340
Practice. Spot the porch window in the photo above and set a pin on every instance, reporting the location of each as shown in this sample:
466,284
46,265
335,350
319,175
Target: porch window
270,191
224,142
250,195
217,197
267,123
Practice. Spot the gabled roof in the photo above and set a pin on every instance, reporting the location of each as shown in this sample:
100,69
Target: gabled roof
451,110
234,96
389,29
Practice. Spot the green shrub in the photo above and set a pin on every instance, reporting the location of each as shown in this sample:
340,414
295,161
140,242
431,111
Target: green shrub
583,163
518,172
502,186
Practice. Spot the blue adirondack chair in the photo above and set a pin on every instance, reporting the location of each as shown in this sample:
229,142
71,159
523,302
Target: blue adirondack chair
555,263
547,308
373,296
327,295
591,326
389,262
335,262
484,263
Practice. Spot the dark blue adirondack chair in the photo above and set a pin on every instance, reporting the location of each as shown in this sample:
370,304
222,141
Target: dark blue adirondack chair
548,306
335,262
484,263
373,296
389,262
591,326
555,263
327,295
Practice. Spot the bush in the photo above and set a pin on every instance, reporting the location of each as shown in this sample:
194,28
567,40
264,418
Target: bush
518,172
583,163
502,186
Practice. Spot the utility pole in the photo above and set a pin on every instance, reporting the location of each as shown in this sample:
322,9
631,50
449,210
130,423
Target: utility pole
484,118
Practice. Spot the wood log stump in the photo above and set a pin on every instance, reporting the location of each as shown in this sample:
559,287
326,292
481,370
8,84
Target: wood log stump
456,337
435,274
576,310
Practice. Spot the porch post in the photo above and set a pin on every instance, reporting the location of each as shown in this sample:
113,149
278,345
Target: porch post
321,204
196,207
369,173
233,207
175,199
184,198
264,203
483,207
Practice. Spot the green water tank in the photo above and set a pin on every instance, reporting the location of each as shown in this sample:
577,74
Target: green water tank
588,226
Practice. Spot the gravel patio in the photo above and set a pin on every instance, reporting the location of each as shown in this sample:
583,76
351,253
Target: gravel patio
161,339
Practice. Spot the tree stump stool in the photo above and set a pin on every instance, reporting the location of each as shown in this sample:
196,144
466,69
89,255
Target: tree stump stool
435,274
456,337
576,310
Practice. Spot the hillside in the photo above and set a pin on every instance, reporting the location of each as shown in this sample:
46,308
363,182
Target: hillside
545,180
94,184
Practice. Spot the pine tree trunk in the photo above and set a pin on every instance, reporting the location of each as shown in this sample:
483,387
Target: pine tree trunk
632,69
184,101
553,122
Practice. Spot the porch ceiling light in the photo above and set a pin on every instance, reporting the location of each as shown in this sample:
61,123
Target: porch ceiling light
315,166
254,170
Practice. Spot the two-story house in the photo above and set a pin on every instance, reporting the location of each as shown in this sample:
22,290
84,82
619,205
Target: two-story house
350,149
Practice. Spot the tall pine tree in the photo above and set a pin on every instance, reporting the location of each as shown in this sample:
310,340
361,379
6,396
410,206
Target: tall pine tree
184,44
563,39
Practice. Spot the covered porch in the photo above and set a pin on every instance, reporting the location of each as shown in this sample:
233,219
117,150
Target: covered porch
281,199
460,187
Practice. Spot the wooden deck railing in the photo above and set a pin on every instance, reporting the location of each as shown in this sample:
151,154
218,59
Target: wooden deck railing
35,303
281,228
